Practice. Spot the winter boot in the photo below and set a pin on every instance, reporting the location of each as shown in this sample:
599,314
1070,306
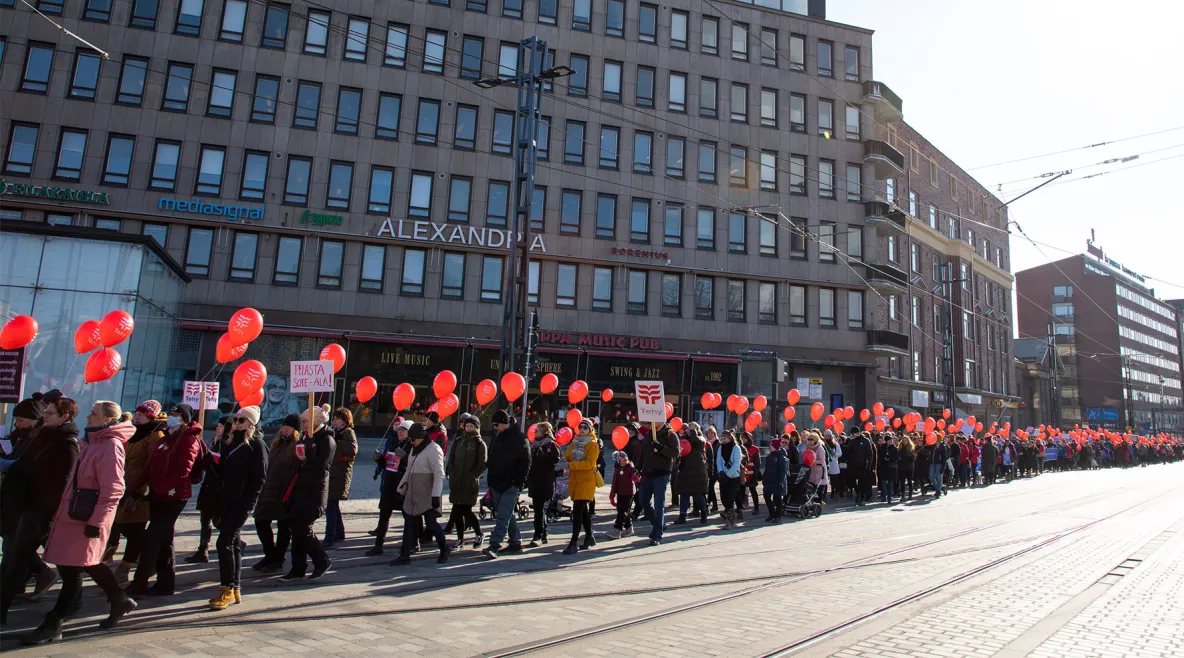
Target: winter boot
123,572
223,600
50,630
118,609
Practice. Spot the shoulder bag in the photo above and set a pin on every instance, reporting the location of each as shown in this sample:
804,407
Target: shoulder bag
83,501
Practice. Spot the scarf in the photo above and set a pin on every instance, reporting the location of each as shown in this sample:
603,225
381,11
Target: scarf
726,450
145,430
577,447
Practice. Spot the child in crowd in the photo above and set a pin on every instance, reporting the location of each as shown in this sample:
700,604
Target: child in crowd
621,495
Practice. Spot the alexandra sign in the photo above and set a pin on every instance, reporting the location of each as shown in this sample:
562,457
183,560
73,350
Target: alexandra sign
55,193
199,207
598,340
471,236
320,219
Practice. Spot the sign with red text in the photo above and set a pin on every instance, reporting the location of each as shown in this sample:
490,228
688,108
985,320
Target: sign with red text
310,376
192,395
651,401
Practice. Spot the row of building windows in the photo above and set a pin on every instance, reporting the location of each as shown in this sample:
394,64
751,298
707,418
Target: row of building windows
1150,359
1135,316
1150,341
969,376
1146,302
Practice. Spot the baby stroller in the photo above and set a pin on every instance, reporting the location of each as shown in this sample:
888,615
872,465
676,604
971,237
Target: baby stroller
803,495
521,510
555,508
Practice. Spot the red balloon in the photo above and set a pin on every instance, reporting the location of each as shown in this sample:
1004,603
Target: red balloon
759,403
486,391
809,457
741,404
669,410
684,447
563,436
513,385
716,400
829,421
789,413
549,383
930,424
577,391
945,413
705,400
248,378
816,411
732,402
403,396
978,427
676,424
889,412
448,405
864,415
753,421
20,331
244,326
878,408
116,327
930,439
838,428
86,337
941,423
365,389
226,351
606,395
335,353
444,383
879,424
896,423
253,400
620,438
102,365
867,427
531,430
848,412
793,396
573,419
789,428
970,420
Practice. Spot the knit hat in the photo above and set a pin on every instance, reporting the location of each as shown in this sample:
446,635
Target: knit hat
319,416
185,412
619,456
405,425
251,413
150,408
433,416
501,417
775,443
30,408
470,420
53,395
417,431
291,420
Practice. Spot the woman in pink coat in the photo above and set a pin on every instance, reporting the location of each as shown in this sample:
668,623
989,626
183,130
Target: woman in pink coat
818,472
76,545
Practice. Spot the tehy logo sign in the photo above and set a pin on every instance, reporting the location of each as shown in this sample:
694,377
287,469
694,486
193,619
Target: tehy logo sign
651,401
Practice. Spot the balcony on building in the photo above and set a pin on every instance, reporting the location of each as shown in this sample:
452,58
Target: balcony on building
887,104
888,162
887,279
887,342
883,215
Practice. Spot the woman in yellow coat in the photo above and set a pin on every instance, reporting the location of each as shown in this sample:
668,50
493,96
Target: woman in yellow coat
581,457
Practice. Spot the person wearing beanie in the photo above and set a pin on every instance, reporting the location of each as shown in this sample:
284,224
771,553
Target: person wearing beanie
310,494
131,518
620,495
169,474
509,464
281,469
341,474
390,463
656,456
421,488
436,433
464,465
540,480
30,494
240,466
775,480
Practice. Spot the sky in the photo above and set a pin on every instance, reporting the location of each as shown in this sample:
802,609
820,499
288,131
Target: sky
989,82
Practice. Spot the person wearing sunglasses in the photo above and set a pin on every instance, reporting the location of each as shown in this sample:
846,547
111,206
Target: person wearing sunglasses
241,467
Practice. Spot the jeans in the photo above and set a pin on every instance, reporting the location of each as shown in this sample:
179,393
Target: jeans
887,486
935,473
20,555
334,526
506,520
653,501
964,475
158,557
539,505
134,533
684,503
72,586
306,545
230,553
623,519
411,532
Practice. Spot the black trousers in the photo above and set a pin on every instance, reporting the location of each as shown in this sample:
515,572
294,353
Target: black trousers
711,492
415,527
904,483
305,545
158,557
384,524
207,531
774,503
581,517
72,586
20,557
134,534
756,502
729,490
623,519
275,547
463,517
230,552
539,505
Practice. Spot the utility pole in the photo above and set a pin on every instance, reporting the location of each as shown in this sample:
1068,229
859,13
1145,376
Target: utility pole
947,335
1054,405
1162,410
1128,397
528,368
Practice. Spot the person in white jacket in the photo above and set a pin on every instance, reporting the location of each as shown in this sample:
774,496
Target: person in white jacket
421,487
834,469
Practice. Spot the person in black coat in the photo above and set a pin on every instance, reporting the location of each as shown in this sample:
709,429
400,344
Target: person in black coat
509,465
861,466
390,465
310,494
240,468
540,481
888,458
209,497
36,478
657,456
990,454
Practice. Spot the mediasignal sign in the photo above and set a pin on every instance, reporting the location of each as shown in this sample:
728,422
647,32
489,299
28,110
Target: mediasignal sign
201,207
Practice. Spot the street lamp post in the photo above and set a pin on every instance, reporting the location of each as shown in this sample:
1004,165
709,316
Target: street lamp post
530,90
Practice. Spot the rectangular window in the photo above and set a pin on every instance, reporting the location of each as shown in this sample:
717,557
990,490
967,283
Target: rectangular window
708,97
854,309
826,307
71,153
413,271
797,305
704,297
912,203
452,284
606,216
675,154
637,290
427,121
678,29
643,153
915,310
144,14
503,132
389,108
373,268
893,255
767,302
797,52
890,190
612,81
329,268
738,166
736,301
737,228
769,107
242,258
158,232
768,233
459,194
497,203
197,252
573,144
471,57
95,10
22,148
357,40
396,45
308,105
542,138
678,92
707,162
491,278
296,183
234,20
639,222
118,163
549,11
316,32
341,177
132,82
672,226
382,182
614,20
647,23
569,214
209,176
176,91
797,113
165,160
740,41
465,136
420,201
433,51
826,242
610,143
937,319
854,182
645,86
671,295
915,257
709,36
577,82
768,47
267,90
825,59
851,63
221,100
852,123
739,103
602,289
855,242
85,79
826,179
826,118
507,60
275,27
797,238
254,181
189,17
705,229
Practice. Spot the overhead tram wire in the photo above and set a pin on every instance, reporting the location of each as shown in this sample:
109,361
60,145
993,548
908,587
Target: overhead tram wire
1079,148
1108,161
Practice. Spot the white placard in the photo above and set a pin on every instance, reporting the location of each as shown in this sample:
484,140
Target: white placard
651,401
310,376
920,399
192,393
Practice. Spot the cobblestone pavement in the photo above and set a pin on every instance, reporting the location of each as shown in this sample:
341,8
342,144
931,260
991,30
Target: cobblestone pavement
1066,564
